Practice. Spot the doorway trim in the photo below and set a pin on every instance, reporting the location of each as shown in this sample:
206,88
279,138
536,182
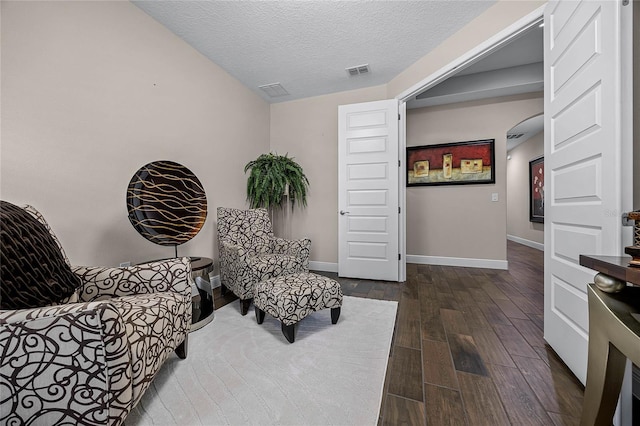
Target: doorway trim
472,56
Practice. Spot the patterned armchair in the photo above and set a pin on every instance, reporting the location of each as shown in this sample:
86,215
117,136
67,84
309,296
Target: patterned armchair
249,253
88,358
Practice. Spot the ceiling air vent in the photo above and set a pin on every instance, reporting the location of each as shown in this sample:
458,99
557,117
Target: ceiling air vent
515,136
274,90
358,69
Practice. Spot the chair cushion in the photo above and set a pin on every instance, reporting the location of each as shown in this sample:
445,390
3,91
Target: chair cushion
33,271
268,266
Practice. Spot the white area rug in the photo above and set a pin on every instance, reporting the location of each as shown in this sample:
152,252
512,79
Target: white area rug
240,373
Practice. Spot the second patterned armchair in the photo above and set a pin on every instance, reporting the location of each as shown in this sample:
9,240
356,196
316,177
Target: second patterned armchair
250,253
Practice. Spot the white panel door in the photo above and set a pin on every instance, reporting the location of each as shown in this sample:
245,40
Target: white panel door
583,162
368,190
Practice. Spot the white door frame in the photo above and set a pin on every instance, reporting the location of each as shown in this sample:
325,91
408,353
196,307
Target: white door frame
472,56
402,191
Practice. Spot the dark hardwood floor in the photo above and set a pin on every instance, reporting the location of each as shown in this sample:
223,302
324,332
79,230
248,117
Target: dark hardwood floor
468,347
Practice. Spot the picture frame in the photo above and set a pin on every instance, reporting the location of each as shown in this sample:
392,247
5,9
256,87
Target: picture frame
457,163
536,190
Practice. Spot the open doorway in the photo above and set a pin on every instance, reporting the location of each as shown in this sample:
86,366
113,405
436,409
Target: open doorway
525,182
481,101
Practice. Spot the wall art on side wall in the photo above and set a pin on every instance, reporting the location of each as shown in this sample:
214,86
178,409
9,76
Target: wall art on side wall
536,190
456,163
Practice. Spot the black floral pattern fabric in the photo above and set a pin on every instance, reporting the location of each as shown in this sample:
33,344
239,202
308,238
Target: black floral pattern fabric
33,271
90,362
249,252
292,297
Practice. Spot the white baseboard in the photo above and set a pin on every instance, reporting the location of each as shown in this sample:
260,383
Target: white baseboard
323,266
426,260
527,243
458,261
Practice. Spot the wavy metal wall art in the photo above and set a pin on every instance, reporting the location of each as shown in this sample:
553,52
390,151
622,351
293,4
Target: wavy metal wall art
167,203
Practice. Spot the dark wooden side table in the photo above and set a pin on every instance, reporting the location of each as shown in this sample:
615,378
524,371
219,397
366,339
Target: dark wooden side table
203,301
614,335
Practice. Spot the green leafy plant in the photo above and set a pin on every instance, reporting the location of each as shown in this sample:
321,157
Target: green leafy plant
267,183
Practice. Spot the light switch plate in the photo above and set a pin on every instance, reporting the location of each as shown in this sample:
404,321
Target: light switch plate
494,196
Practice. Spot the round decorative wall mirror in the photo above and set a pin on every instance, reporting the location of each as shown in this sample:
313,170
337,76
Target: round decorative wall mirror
167,203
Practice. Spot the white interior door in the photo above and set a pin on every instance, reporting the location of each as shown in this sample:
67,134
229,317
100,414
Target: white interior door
368,203
584,167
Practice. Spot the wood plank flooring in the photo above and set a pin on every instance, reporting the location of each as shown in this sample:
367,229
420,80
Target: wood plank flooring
468,347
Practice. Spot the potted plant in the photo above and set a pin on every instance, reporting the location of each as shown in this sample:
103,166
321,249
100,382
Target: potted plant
275,179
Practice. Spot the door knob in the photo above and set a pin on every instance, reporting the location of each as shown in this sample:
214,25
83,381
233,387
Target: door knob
342,212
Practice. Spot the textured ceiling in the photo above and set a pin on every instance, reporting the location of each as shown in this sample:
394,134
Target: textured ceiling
306,45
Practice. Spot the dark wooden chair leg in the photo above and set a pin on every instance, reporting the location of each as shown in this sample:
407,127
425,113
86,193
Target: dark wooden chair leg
244,306
289,332
335,314
181,350
223,289
259,315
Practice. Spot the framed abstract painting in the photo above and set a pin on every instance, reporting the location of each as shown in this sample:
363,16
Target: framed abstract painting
536,190
458,163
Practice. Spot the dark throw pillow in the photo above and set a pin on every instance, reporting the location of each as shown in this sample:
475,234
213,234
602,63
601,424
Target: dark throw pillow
33,271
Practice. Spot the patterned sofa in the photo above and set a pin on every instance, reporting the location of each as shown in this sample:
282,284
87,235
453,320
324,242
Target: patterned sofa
88,357
249,252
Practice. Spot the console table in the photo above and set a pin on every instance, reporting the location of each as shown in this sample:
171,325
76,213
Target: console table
614,335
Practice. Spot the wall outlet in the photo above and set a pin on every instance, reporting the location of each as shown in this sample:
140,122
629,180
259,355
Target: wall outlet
494,196
125,264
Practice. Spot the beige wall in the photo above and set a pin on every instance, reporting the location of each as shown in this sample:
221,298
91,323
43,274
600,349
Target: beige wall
461,220
518,224
307,129
92,91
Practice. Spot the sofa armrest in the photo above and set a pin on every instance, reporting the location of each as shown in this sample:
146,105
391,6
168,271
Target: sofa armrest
233,256
99,283
300,248
65,364
233,249
235,270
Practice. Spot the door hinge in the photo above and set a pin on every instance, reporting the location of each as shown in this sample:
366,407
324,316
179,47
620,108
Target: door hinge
398,210
399,114
399,256
399,165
